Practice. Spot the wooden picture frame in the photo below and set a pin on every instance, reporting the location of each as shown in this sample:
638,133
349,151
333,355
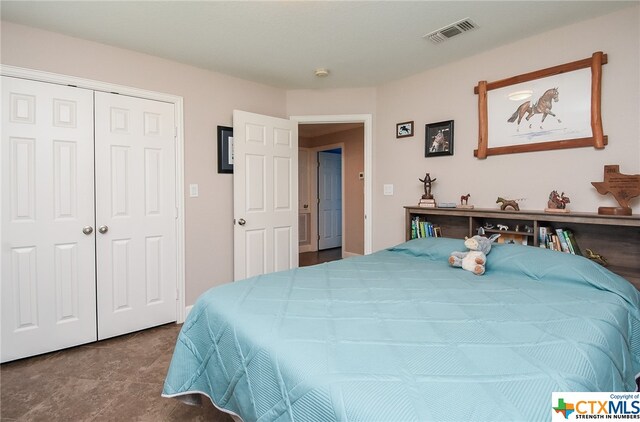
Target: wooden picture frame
404,129
225,149
438,139
544,102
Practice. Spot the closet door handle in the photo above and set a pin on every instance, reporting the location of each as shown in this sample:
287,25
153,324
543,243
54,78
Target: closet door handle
87,230
103,229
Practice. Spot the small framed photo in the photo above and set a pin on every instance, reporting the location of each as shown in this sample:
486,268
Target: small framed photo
438,139
404,129
225,149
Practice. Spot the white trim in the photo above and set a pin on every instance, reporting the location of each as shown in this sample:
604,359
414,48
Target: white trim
187,311
349,254
367,119
177,101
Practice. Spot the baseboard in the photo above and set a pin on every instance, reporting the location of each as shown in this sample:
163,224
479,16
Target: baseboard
187,309
346,254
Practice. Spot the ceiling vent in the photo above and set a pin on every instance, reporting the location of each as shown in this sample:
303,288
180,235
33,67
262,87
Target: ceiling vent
450,31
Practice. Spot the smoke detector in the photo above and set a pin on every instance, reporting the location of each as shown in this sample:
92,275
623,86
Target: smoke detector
451,31
321,72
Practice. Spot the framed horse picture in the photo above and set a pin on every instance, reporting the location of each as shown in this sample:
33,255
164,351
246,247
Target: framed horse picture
553,108
438,139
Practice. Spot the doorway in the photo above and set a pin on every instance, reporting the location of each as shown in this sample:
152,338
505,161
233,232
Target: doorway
338,224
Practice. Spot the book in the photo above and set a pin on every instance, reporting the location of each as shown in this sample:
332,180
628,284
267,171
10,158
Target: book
562,241
446,205
565,233
542,236
574,244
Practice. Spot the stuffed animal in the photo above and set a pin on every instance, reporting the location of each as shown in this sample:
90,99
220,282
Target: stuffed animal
475,258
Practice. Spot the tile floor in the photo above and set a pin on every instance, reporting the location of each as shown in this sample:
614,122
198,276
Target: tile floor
119,379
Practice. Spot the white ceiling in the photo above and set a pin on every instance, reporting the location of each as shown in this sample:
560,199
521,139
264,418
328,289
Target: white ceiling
362,43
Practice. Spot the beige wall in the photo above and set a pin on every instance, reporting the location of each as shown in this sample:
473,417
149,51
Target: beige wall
353,156
440,94
209,99
446,93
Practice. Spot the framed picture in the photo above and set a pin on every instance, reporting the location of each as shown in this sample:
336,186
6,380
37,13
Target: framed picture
404,129
438,139
553,108
225,149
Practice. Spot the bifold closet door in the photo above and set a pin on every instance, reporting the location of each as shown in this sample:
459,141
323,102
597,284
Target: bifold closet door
48,243
135,213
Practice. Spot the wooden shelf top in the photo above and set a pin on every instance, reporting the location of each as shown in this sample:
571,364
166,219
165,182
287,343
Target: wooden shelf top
578,217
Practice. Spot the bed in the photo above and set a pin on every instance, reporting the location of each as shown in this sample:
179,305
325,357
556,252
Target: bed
399,335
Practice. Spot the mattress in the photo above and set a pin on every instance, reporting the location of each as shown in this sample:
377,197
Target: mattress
399,335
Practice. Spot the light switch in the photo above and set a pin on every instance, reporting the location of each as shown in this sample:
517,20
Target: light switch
193,190
388,189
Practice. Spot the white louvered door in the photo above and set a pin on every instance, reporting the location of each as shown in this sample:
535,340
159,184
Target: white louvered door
48,263
135,213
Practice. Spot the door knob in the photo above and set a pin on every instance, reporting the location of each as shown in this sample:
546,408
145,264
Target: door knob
87,230
242,222
103,229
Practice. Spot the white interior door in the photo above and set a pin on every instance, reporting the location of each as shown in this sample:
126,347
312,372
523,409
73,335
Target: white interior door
135,213
265,193
330,200
48,272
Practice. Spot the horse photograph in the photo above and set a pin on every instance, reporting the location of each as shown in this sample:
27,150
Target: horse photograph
439,138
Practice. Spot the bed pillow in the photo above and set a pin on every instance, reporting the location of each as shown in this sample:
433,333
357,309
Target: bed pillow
535,263
549,266
434,248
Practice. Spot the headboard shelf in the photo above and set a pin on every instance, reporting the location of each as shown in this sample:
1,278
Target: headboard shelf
617,238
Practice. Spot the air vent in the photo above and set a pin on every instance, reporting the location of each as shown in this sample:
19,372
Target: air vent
450,31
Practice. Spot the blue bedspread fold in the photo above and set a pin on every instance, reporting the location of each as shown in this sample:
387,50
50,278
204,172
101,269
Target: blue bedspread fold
399,335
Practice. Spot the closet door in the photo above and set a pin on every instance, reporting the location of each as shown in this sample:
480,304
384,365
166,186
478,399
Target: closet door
135,213
48,243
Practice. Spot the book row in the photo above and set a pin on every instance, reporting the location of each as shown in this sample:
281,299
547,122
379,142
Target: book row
421,229
558,240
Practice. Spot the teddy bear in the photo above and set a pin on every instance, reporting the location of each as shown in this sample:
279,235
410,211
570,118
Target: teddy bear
475,258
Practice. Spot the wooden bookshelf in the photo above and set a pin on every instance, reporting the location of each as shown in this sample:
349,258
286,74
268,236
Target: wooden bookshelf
617,238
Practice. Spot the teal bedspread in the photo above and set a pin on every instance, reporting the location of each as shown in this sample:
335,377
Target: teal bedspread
400,336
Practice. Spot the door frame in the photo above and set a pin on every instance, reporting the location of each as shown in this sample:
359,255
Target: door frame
177,101
315,218
367,120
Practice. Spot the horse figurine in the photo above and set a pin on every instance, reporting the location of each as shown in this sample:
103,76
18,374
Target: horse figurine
508,203
557,201
465,199
543,106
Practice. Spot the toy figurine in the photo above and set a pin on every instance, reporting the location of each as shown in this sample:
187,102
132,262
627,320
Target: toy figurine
557,203
464,202
427,181
597,258
508,203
